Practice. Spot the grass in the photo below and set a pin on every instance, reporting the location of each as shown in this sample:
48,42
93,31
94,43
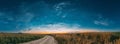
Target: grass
89,38
12,38
73,38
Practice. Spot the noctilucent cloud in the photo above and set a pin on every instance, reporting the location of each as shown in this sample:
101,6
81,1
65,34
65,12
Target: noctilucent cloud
60,15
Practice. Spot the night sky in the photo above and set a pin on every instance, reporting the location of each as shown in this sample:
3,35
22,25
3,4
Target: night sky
60,15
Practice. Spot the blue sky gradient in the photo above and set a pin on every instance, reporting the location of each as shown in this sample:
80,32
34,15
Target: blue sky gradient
19,15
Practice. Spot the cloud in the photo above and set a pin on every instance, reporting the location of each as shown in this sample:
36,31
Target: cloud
5,17
100,20
1,14
57,28
5,22
27,17
101,23
60,6
64,16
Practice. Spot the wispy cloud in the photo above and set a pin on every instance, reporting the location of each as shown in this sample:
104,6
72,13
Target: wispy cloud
1,13
59,8
101,23
26,17
5,17
100,20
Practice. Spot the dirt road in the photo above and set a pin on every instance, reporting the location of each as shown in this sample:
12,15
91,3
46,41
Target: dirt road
45,40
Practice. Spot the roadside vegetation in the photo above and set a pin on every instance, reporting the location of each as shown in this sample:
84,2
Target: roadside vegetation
89,38
12,38
71,38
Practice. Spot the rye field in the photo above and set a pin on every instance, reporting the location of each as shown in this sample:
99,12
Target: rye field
68,38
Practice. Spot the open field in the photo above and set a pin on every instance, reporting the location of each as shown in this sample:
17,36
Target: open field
71,38
89,38
16,38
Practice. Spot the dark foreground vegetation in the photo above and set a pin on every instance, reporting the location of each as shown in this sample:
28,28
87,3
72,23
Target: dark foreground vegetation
74,38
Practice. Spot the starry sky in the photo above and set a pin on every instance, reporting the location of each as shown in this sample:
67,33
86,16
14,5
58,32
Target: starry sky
59,15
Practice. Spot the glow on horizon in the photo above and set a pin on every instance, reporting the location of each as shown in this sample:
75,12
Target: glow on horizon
61,31
58,28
